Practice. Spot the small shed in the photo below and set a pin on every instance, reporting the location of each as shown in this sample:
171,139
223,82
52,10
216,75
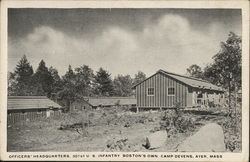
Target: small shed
166,89
95,102
23,108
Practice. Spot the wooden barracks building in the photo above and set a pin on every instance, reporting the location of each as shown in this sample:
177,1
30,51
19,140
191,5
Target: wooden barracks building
31,108
164,89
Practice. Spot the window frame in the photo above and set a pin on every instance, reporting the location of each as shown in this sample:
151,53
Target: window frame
168,91
153,91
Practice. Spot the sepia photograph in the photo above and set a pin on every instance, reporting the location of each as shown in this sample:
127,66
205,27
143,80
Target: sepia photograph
125,79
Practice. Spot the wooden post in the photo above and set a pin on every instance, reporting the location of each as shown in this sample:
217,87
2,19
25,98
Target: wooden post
160,108
137,109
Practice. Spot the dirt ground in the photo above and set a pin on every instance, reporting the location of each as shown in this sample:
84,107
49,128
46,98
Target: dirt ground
102,131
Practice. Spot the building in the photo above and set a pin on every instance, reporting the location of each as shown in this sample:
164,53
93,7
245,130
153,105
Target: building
87,103
23,108
166,90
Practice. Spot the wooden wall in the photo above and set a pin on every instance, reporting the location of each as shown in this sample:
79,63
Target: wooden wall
79,105
160,99
15,116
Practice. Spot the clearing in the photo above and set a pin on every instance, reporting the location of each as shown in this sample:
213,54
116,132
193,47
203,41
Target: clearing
109,130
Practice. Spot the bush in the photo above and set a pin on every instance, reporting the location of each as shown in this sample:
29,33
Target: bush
117,144
174,121
232,133
184,124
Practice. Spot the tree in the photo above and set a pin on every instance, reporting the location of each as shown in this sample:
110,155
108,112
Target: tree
139,77
123,85
103,83
23,70
12,83
84,77
43,78
20,81
57,84
226,68
195,71
68,93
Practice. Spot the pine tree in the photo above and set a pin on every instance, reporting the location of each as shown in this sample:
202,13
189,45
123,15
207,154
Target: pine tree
103,82
68,92
57,84
44,78
20,82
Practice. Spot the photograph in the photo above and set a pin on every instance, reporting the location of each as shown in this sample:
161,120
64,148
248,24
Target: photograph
125,80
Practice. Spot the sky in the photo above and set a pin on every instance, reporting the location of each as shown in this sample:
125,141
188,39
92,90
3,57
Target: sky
122,41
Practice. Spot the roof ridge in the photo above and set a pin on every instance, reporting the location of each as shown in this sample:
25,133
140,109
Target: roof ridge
183,76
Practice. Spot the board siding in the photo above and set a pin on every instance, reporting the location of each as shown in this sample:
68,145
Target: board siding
160,83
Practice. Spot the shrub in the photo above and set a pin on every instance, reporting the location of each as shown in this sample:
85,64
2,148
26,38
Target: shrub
174,121
232,132
167,120
118,144
184,123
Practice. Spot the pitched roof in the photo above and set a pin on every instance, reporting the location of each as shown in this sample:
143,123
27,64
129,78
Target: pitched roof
190,81
110,101
30,102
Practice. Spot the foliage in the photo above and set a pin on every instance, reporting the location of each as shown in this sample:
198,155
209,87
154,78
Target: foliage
174,121
103,83
226,68
139,77
232,133
68,93
195,71
24,70
184,123
76,84
118,144
20,82
84,79
57,84
73,85
43,78
123,85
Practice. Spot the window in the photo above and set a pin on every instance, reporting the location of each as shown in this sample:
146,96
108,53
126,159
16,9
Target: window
151,91
171,92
